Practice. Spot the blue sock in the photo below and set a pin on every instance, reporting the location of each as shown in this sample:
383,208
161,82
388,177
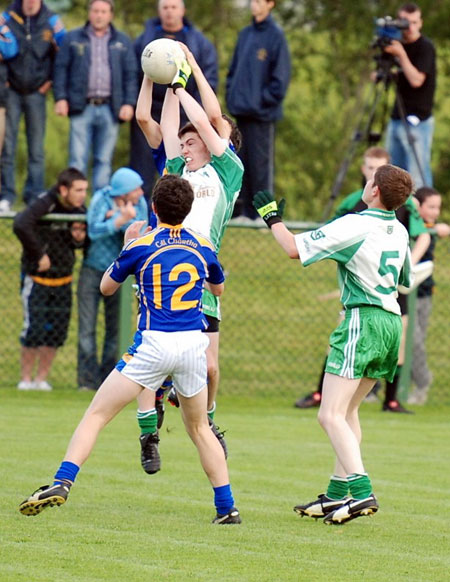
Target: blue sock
66,472
166,385
223,499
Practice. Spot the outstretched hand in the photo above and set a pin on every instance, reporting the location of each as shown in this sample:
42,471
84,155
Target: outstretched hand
182,75
133,231
268,208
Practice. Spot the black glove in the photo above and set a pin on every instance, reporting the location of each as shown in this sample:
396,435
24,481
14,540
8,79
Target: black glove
267,207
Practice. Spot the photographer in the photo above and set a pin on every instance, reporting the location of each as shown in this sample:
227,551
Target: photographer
416,83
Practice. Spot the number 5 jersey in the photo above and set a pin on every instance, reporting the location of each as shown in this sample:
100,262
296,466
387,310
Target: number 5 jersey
372,253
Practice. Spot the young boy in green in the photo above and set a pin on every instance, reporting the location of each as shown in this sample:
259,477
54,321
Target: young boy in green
372,253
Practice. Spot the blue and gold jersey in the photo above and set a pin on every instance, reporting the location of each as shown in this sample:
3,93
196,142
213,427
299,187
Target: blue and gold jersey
170,264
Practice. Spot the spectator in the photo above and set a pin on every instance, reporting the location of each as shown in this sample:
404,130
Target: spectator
47,263
430,202
170,23
415,92
8,49
38,32
4,205
111,211
96,85
257,82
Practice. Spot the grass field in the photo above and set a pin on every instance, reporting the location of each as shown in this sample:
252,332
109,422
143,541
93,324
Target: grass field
122,525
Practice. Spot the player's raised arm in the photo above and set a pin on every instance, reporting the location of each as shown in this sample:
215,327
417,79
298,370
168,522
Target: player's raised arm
170,125
209,99
271,212
197,116
150,128
195,112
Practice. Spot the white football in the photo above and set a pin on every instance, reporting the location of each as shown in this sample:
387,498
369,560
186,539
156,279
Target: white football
158,60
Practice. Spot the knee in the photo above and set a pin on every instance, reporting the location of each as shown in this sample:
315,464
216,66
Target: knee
325,418
197,430
213,370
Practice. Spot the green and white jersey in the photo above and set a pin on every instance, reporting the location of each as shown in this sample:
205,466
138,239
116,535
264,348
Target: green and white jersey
372,252
216,187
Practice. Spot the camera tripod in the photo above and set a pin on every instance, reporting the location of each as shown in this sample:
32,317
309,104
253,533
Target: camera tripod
364,129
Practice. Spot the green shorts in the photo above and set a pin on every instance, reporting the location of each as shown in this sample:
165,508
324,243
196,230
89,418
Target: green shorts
366,344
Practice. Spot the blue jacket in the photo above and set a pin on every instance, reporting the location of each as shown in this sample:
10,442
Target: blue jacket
37,38
72,70
203,50
106,240
259,72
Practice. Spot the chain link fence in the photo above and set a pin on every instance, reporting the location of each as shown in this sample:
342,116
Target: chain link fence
276,319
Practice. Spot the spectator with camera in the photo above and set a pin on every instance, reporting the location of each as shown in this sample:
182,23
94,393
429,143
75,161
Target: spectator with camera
410,130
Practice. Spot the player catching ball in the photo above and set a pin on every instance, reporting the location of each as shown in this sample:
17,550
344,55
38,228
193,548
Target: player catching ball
372,254
171,265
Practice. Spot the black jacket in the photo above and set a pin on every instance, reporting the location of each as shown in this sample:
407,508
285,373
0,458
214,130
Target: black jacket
46,237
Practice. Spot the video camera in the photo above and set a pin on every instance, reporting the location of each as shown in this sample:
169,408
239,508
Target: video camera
388,29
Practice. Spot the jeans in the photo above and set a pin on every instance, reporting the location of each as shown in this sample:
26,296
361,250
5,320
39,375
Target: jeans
95,128
402,153
91,371
33,106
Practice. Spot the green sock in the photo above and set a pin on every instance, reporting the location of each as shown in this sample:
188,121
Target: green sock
360,485
147,420
337,487
212,411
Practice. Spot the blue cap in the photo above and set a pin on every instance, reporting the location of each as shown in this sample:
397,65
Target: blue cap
124,180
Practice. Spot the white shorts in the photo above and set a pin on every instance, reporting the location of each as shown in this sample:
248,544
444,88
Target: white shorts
180,354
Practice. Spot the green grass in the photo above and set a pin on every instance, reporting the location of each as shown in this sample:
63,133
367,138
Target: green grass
120,524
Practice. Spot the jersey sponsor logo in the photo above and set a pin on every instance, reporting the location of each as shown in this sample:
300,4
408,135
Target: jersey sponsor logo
205,193
317,234
176,241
